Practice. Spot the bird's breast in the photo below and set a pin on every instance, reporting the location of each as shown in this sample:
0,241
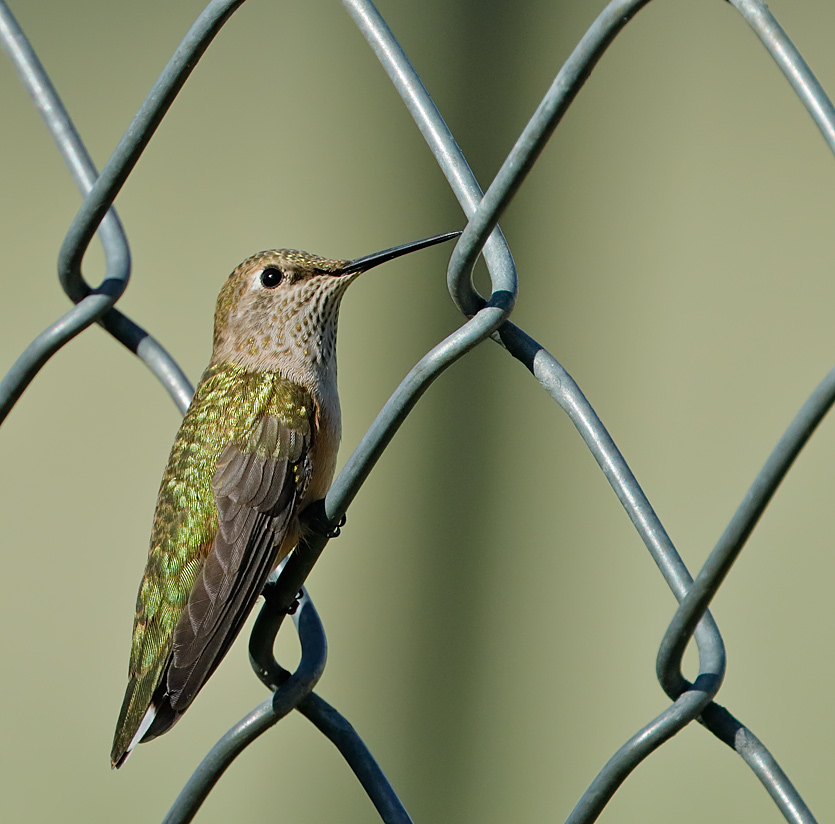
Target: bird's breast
327,432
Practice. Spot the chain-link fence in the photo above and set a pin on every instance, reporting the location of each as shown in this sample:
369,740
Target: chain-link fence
690,699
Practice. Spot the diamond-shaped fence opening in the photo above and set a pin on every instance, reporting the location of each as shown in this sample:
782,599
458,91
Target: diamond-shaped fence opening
491,615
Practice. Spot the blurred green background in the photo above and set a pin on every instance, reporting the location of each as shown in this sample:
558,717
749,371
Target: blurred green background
492,617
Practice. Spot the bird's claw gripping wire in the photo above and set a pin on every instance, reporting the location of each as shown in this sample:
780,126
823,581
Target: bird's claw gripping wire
315,519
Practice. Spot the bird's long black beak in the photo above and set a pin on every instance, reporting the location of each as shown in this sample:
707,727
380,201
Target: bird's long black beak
362,264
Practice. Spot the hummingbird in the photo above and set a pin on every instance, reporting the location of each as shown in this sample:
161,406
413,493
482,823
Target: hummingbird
256,446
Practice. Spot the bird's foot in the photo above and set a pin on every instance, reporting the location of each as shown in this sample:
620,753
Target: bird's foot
316,521
337,530
291,610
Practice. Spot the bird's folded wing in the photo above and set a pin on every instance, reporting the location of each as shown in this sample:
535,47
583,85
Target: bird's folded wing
256,484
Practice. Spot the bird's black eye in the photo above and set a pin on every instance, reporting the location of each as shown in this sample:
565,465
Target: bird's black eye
271,277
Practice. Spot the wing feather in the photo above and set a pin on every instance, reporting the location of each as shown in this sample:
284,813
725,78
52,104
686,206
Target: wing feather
255,494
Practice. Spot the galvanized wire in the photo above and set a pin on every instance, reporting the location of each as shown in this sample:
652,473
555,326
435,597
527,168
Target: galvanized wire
486,317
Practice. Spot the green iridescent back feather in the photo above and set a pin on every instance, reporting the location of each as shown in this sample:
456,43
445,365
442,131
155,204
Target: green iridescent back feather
227,407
